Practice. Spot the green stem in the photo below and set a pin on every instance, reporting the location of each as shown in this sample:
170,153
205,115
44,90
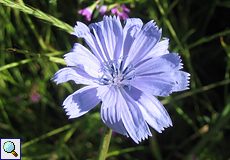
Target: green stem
39,14
223,119
154,146
105,143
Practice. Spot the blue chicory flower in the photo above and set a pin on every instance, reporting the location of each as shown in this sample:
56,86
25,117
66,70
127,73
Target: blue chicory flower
128,68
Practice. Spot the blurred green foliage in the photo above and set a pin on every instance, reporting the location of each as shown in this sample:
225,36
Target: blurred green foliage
33,39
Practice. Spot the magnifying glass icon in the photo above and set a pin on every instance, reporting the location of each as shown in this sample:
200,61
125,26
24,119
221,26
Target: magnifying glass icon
9,147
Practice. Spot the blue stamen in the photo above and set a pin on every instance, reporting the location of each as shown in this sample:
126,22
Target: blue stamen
115,76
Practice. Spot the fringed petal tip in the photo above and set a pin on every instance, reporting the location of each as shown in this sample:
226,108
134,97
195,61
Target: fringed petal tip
137,141
155,26
78,104
188,80
80,30
71,116
144,138
162,127
69,113
106,17
188,77
55,78
181,81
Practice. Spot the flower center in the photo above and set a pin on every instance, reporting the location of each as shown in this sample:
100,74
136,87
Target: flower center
120,9
114,74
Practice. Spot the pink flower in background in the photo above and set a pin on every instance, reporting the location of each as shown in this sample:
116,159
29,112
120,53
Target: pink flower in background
34,96
103,9
86,12
121,11
18,98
